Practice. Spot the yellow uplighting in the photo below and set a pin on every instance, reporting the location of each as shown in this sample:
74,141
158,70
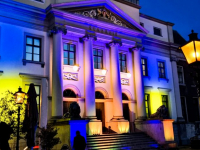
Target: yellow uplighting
123,127
75,68
104,72
95,128
168,129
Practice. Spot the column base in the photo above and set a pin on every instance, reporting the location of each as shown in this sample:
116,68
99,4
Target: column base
92,118
118,118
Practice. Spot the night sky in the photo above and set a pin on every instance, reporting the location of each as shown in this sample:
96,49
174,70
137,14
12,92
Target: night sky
185,14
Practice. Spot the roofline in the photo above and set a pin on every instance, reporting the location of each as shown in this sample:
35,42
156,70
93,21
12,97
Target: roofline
156,20
129,4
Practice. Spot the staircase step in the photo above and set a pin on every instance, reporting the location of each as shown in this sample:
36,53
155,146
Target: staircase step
133,141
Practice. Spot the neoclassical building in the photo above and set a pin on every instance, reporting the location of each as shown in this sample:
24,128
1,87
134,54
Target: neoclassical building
119,65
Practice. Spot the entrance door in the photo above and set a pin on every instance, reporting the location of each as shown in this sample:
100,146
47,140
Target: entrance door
126,111
100,113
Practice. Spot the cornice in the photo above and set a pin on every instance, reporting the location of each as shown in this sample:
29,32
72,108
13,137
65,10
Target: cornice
23,15
31,76
156,20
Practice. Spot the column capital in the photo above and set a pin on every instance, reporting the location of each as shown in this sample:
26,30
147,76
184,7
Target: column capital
137,47
56,29
114,42
87,37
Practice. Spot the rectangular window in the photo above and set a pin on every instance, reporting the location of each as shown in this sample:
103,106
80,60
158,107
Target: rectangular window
161,69
147,105
184,108
180,74
142,24
33,48
122,62
98,58
37,89
144,67
69,54
157,31
165,100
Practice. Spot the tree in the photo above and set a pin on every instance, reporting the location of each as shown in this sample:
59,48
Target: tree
47,137
9,111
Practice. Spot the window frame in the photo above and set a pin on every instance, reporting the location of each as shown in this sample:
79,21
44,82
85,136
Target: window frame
120,62
167,100
41,62
69,52
158,29
165,73
148,103
182,74
146,66
102,57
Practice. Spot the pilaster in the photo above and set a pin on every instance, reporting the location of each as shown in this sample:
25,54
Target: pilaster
176,89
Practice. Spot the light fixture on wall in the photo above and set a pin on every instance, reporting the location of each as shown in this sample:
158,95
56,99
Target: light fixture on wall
128,75
75,68
104,72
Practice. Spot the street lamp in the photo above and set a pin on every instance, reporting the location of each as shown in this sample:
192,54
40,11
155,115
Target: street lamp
19,99
191,50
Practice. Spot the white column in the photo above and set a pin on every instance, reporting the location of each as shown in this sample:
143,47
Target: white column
176,90
57,75
44,103
116,81
89,78
141,113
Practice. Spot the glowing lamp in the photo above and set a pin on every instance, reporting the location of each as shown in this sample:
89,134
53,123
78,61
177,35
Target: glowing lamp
75,68
191,50
104,72
19,96
128,75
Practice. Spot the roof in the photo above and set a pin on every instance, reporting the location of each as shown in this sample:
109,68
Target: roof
178,39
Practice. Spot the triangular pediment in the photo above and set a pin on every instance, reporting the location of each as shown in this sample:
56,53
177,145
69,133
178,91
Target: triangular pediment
102,10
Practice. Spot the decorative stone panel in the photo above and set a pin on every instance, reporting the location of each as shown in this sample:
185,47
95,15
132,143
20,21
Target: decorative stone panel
70,76
124,81
100,79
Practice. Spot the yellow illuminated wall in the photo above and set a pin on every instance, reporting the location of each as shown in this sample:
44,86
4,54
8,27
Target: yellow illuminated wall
156,100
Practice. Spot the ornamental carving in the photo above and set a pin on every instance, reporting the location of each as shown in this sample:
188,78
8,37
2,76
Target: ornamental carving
99,79
101,13
56,29
71,76
125,81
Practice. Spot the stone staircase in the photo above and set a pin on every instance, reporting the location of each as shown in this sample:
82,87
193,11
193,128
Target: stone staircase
132,141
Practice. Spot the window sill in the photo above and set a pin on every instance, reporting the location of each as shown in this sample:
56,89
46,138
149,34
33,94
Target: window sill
34,62
163,79
71,68
147,77
182,84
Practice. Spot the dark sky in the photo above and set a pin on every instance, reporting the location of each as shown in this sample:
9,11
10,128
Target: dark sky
185,14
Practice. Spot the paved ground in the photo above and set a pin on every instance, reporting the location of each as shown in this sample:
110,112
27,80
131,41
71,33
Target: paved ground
185,148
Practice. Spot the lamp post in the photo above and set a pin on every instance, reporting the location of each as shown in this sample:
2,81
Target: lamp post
19,99
191,50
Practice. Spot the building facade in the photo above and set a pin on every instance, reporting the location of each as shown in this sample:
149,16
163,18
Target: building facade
119,65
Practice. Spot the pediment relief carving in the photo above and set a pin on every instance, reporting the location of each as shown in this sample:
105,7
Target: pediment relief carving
102,14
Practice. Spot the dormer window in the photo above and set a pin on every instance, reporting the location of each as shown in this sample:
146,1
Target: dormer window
157,31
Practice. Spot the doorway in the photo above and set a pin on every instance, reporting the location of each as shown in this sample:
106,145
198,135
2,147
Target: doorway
126,111
100,112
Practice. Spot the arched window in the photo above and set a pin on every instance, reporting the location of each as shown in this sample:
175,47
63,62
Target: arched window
124,96
69,93
99,95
